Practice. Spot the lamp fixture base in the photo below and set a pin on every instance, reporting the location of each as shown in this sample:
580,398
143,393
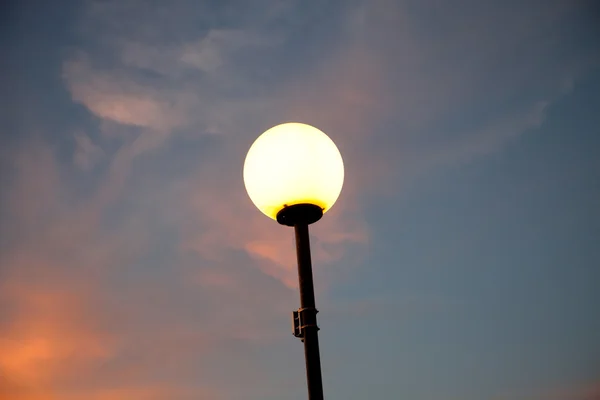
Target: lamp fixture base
299,214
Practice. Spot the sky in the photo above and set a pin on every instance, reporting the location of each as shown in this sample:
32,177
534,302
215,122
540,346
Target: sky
461,260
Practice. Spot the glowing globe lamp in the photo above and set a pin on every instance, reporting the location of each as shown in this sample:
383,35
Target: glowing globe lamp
294,173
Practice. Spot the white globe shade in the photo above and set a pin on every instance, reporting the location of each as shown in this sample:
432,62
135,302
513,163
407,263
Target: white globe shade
292,164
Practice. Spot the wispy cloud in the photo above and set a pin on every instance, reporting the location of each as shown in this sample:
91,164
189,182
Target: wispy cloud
117,97
87,153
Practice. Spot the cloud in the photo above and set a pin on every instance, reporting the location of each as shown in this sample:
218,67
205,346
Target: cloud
221,219
117,98
51,324
468,145
584,392
83,316
50,332
209,78
190,76
437,94
372,95
87,154
156,392
193,90
211,52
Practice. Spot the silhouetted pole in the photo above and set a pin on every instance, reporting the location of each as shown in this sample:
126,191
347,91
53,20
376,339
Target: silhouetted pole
305,319
308,314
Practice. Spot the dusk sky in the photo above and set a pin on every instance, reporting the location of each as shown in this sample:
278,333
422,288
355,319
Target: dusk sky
461,261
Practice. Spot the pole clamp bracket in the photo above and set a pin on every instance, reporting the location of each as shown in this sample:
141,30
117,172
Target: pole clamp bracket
303,319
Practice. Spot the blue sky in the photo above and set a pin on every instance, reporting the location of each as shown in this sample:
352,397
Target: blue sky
460,262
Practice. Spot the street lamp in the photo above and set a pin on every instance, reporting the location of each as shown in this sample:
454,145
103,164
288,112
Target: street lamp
294,174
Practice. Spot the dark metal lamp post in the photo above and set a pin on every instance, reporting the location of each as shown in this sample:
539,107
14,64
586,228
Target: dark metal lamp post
294,173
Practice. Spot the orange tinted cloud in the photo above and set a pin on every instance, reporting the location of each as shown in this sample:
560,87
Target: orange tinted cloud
62,321
121,99
584,392
146,392
226,220
49,336
51,327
